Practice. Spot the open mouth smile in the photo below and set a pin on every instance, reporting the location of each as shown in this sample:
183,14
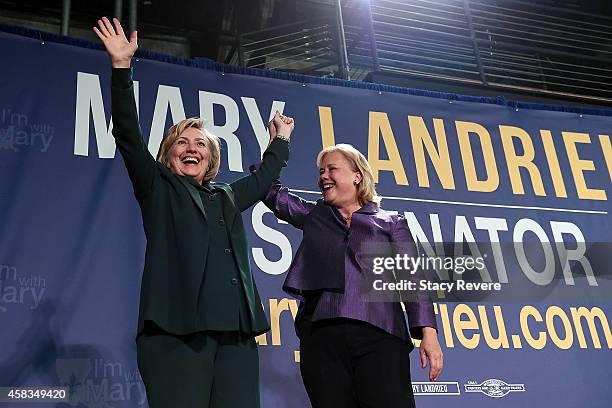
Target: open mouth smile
327,186
190,161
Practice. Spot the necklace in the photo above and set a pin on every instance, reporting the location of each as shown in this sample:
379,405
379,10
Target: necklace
347,219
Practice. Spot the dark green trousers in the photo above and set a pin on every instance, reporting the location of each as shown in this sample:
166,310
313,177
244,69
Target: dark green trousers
200,370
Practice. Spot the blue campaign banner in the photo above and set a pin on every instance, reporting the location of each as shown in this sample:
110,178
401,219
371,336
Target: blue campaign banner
72,243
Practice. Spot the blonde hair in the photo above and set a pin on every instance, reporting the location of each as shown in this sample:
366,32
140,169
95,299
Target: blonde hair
212,142
366,191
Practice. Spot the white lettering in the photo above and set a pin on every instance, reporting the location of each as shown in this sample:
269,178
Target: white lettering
272,236
89,101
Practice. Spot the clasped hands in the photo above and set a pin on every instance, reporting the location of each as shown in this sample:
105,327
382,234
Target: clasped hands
280,125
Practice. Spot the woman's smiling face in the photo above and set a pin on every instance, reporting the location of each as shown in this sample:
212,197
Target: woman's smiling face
337,180
189,155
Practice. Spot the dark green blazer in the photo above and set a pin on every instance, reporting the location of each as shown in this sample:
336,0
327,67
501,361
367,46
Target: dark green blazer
174,222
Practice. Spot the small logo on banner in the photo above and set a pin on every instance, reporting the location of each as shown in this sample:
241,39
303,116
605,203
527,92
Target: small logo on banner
436,388
18,131
494,388
19,289
97,383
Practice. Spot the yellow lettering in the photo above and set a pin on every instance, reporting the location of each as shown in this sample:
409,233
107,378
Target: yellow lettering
470,324
446,326
515,162
551,313
606,148
440,157
491,182
589,316
553,163
276,309
502,337
526,312
262,340
379,125
327,126
579,166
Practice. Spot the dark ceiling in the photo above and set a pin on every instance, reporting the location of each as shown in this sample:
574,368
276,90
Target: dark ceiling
210,27
216,21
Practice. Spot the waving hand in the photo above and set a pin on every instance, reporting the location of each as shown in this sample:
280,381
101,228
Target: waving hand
117,45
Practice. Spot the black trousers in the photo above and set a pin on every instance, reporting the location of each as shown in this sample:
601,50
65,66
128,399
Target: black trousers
351,364
200,370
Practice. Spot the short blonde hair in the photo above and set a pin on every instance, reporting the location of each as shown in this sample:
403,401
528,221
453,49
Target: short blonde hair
212,142
366,191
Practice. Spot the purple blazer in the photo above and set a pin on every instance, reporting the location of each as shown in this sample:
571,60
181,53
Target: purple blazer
330,260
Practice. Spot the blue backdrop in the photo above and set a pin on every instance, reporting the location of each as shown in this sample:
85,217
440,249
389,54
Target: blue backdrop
72,244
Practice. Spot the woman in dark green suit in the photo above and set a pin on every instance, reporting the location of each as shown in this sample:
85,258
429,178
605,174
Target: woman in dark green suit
199,306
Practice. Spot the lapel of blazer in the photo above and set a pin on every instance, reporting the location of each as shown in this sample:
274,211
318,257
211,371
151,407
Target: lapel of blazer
195,195
369,208
229,206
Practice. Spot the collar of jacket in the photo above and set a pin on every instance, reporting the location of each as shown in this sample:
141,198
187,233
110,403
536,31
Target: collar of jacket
229,207
369,208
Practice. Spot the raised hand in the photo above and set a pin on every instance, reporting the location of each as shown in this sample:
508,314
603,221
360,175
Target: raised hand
117,45
283,125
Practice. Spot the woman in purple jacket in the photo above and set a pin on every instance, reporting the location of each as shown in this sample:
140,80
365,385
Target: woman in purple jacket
353,353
